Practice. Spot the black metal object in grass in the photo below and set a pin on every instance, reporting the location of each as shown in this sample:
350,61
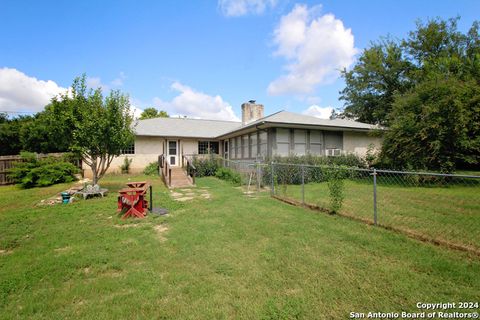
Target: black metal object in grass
157,211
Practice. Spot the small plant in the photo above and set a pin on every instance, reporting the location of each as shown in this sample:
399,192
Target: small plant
229,175
125,167
151,169
335,182
206,166
371,156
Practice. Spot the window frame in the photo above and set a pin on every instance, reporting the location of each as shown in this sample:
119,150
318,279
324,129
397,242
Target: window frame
129,150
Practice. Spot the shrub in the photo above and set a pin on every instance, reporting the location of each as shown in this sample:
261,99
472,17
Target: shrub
35,172
335,182
229,175
292,174
151,169
125,167
205,166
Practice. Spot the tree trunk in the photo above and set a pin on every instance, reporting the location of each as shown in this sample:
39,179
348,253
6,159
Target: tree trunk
94,171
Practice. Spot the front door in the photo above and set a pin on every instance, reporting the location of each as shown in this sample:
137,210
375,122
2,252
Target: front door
172,154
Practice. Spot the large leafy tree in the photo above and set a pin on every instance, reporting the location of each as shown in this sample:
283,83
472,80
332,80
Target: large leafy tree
102,126
425,88
10,133
51,130
436,126
380,73
150,113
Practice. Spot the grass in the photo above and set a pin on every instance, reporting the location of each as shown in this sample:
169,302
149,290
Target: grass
449,214
228,257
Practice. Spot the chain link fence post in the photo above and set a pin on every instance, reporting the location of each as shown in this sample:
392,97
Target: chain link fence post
258,173
272,173
374,196
303,185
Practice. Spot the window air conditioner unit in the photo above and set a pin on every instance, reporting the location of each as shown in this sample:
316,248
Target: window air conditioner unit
333,152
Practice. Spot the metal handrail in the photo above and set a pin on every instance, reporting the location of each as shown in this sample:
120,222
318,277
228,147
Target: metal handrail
191,169
165,169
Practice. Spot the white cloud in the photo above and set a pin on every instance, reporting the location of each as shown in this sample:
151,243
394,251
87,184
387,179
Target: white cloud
118,82
236,8
315,46
319,112
196,104
19,92
96,82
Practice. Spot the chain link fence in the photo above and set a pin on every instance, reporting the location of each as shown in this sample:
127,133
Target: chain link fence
439,208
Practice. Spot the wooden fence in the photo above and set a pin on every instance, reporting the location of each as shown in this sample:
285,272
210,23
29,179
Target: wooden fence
7,162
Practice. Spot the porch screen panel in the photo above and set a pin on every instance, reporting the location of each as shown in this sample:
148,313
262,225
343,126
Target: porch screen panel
245,147
283,142
253,145
263,143
232,149
333,140
300,142
316,142
238,147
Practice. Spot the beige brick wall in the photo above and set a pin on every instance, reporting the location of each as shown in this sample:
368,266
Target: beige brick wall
147,149
358,142
189,146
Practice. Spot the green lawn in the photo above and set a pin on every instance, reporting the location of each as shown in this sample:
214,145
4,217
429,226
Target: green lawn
228,257
451,214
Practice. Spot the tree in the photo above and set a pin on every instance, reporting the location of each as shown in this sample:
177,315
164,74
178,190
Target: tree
381,72
51,130
150,113
425,88
436,126
10,132
102,127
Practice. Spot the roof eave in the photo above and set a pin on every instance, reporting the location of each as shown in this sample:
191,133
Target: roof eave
270,124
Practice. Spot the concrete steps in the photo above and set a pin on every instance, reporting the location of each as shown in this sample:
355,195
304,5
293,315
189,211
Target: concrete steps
180,178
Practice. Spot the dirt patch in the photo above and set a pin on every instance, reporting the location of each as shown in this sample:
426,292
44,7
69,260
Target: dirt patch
182,199
126,226
176,194
5,252
63,249
160,229
183,195
112,273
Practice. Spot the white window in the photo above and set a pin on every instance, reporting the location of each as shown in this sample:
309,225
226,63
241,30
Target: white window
129,150
208,147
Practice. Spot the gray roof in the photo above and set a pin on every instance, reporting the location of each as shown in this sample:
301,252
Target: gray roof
296,118
292,119
182,127
197,128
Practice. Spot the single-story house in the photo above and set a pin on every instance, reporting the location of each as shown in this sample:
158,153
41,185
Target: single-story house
256,137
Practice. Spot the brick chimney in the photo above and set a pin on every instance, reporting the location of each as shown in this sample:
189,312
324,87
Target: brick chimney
251,111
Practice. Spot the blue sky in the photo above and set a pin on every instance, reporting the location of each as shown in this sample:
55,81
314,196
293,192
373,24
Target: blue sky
199,58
